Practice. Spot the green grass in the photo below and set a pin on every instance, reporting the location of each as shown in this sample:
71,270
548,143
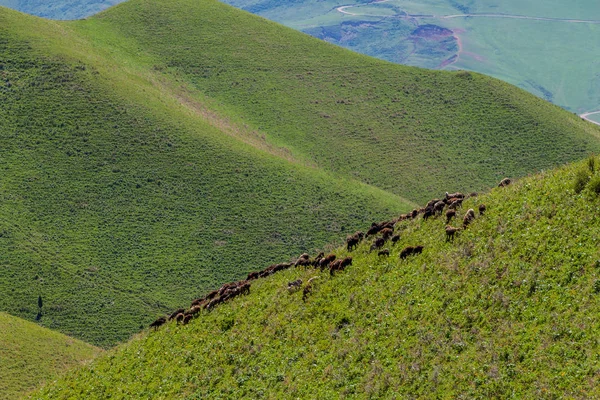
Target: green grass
404,130
119,203
160,149
508,309
31,355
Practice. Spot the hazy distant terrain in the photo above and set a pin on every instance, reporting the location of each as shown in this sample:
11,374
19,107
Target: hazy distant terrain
530,44
548,48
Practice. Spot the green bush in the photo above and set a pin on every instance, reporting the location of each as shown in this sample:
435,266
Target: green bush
591,163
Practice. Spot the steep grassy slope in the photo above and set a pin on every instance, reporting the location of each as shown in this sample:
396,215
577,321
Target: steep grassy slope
30,355
117,202
405,130
509,309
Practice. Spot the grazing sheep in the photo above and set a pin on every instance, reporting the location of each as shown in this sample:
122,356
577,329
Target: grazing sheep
324,263
414,213
450,232
315,261
384,252
174,314
432,202
352,242
159,321
294,286
410,250
194,310
253,275
469,216
449,215
179,317
187,319
303,260
457,195
428,213
482,209
308,288
340,265
504,182
374,229
211,295
455,204
386,233
377,244
473,194
439,207
245,288
395,239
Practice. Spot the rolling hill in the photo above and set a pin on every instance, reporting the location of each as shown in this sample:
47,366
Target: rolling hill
509,308
30,355
159,149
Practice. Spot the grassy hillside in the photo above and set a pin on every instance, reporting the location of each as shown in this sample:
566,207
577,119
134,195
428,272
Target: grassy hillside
30,355
508,309
118,202
162,148
404,130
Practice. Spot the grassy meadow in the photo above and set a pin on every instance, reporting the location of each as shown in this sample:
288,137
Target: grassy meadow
31,355
507,309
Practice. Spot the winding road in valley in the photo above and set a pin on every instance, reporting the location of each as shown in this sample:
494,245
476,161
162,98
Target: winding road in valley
587,115
344,10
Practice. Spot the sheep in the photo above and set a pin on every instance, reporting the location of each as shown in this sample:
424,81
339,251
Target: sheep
211,295
245,288
414,213
432,202
377,244
410,250
318,258
308,288
450,232
352,242
482,209
303,260
457,195
469,216
324,263
374,229
449,215
294,286
474,194
384,252
159,321
504,182
395,239
455,204
174,314
253,275
428,213
340,265
386,233
179,317
439,207
186,319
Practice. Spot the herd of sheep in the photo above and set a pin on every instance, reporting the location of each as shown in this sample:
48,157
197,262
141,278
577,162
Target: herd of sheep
382,232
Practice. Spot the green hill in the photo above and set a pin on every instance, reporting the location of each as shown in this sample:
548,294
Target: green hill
508,309
117,203
30,355
405,130
155,151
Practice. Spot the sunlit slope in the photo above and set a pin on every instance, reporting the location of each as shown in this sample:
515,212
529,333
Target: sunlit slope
403,129
118,202
30,355
508,309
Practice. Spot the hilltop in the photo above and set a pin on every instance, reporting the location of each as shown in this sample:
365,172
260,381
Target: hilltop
508,308
159,149
30,355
